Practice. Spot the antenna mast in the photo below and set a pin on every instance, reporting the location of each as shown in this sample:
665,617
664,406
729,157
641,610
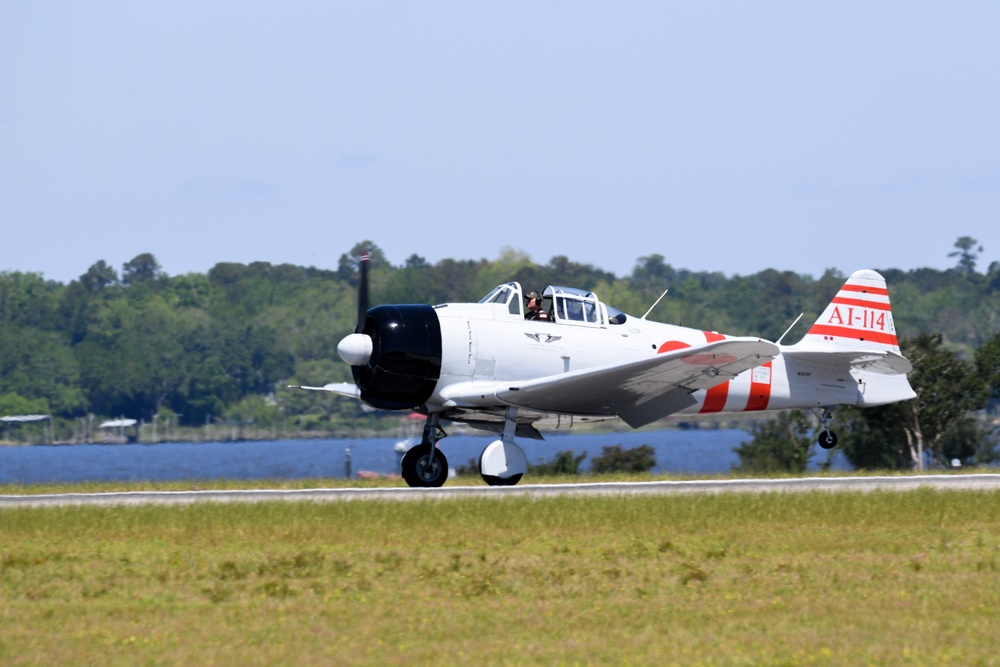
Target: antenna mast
778,342
654,303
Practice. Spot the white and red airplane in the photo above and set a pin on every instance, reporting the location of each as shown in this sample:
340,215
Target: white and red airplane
486,365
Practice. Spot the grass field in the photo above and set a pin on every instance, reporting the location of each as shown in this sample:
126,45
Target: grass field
396,481
882,578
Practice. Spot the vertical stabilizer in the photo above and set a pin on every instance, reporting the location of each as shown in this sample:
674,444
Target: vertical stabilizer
856,334
858,318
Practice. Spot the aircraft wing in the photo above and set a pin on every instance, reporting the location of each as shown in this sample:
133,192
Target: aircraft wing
342,388
639,392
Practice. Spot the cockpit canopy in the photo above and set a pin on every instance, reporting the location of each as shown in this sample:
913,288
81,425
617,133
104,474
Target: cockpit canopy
565,305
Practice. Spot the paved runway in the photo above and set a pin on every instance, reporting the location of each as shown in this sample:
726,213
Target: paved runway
806,484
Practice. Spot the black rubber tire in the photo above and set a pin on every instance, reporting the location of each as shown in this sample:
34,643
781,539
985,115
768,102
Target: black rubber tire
492,480
424,466
827,440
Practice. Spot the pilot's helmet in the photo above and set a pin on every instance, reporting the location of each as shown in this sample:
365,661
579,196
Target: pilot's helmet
534,295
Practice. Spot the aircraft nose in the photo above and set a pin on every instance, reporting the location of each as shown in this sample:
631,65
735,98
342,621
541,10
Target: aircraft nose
355,349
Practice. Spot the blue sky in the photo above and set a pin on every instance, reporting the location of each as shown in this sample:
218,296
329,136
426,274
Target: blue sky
725,136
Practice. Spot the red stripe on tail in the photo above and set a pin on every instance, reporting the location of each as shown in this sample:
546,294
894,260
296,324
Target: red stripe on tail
861,303
881,291
854,334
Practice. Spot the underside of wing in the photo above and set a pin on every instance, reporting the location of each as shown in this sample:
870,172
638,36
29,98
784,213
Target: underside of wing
640,392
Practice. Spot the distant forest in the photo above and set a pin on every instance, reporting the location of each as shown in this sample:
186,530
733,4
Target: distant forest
219,348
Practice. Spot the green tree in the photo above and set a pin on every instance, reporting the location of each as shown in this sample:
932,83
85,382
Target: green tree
563,463
140,269
83,299
256,409
938,422
15,404
457,280
99,277
615,459
988,364
347,265
226,362
132,358
309,323
653,269
511,265
967,254
240,292
782,444
416,282
26,299
38,364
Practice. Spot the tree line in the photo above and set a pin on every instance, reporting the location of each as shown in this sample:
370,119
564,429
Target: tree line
217,347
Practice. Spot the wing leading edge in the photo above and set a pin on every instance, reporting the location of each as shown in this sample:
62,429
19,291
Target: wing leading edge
639,392
342,388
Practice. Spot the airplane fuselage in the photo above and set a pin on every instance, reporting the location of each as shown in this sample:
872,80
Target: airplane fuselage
486,343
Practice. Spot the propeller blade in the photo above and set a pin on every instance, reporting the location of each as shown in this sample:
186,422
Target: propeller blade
363,292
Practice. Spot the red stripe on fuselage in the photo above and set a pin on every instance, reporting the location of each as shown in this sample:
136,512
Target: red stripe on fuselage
760,392
715,398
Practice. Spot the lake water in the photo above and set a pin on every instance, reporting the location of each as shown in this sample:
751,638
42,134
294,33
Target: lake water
691,451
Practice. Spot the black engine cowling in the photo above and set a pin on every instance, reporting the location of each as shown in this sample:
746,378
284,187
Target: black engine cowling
405,362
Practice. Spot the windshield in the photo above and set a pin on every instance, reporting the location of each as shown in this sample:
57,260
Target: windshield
500,294
509,294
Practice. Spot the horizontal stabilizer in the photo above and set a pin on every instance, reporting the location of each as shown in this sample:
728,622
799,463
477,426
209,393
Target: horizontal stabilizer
874,361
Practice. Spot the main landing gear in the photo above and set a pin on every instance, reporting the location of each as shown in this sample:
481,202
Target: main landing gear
425,465
827,438
502,462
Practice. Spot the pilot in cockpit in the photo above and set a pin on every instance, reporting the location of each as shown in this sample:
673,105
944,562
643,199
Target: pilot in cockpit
534,308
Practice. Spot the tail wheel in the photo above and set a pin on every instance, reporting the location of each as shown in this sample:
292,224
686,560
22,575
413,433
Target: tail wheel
827,439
